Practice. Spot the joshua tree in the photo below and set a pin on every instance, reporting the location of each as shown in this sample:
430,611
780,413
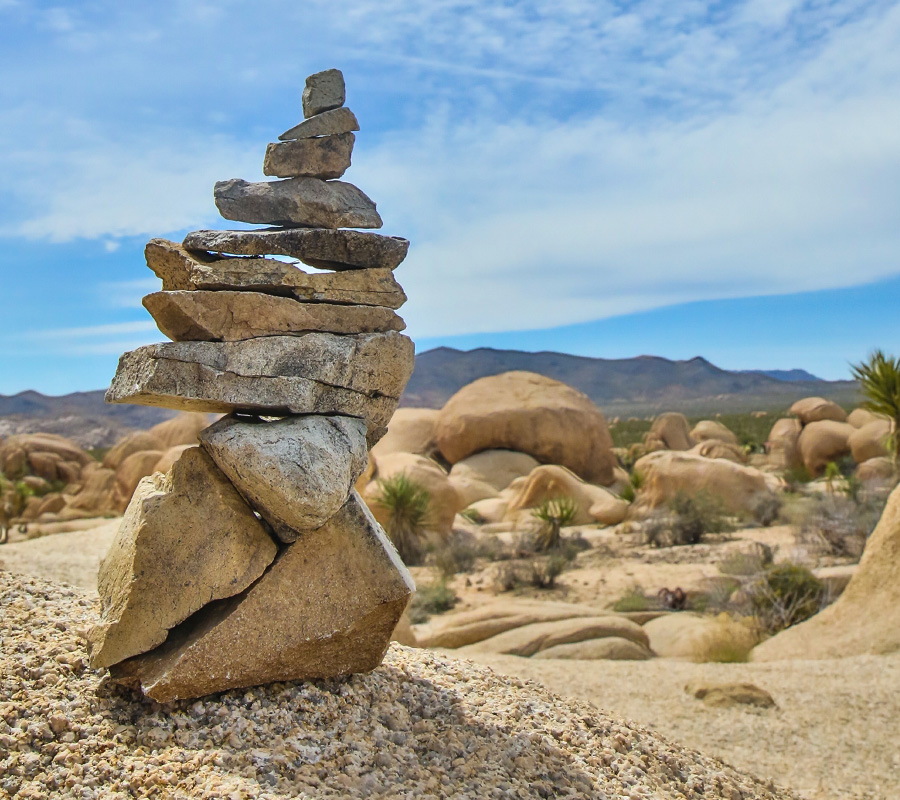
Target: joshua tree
554,515
879,379
407,505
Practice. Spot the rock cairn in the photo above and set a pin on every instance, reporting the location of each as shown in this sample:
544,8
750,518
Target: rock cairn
254,559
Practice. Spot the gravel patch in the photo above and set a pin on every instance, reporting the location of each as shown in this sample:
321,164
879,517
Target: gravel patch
420,725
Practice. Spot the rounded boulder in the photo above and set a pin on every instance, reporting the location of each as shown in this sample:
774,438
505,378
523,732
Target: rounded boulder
817,409
709,429
823,441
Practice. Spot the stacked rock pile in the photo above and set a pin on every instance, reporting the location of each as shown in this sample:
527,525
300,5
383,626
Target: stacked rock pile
254,559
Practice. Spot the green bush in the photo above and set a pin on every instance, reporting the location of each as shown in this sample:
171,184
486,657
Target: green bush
436,598
690,518
784,595
838,525
554,515
408,505
634,600
454,557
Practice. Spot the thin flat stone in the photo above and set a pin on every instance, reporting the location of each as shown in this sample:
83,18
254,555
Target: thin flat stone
181,269
187,538
307,202
326,608
296,472
316,373
324,91
328,123
325,157
199,316
322,248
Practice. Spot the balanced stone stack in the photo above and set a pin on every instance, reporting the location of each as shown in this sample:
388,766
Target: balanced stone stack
254,560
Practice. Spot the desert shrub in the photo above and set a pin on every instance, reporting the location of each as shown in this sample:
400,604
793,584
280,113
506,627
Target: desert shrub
635,481
539,573
766,509
690,518
554,515
634,600
797,476
408,505
456,556
747,562
839,526
729,642
472,515
436,598
784,595
544,573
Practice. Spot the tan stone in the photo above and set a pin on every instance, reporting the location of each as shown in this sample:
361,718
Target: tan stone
135,467
187,538
692,637
411,430
711,429
782,447
168,459
324,91
181,269
328,123
865,619
876,469
200,316
315,373
403,632
862,416
870,441
715,448
531,414
816,409
136,442
664,474
728,695
323,157
548,482
489,510
98,496
823,441
612,648
297,472
44,465
496,468
327,607
444,500
182,429
526,640
15,451
672,431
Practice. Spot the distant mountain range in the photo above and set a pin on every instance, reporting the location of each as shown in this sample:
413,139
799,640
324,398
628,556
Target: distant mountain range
629,386
621,387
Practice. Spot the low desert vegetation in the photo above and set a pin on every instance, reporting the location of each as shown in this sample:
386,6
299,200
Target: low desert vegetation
408,506
688,518
554,515
431,599
879,380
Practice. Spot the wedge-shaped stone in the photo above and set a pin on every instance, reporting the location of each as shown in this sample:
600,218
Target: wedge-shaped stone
324,91
318,247
187,538
306,202
231,316
325,608
315,373
180,269
324,157
328,123
296,472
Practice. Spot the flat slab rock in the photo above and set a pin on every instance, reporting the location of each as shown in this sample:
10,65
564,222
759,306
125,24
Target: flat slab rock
200,316
319,247
308,202
187,538
328,123
323,157
315,373
296,472
183,270
324,91
325,608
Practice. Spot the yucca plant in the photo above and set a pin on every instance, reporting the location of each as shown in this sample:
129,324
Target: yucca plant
879,379
408,505
554,515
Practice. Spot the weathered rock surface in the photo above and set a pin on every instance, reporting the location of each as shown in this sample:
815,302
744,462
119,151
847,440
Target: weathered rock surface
611,648
181,269
201,316
876,469
862,416
182,429
870,441
136,442
823,441
306,202
168,459
324,91
325,157
326,607
710,429
532,414
411,430
328,123
727,695
319,247
316,373
296,472
782,446
816,409
715,448
670,431
187,538
496,468
22,452
692,637
135,467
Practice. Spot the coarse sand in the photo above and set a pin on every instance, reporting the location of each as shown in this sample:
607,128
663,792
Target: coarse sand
421,725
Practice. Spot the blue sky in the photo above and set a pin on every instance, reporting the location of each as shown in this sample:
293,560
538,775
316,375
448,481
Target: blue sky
675,178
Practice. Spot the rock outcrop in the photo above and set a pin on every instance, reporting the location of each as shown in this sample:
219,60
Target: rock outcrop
251,558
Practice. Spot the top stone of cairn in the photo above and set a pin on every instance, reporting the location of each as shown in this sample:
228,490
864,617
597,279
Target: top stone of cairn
324,91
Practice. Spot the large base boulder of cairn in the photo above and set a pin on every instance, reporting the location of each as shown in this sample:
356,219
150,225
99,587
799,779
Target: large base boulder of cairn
253,559
865,619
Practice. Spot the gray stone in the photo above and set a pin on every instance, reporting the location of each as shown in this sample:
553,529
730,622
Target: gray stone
180,269
325,608
324,91
316,373
328,123
296,472
187,538
198,316
308,202
319,247
324,157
